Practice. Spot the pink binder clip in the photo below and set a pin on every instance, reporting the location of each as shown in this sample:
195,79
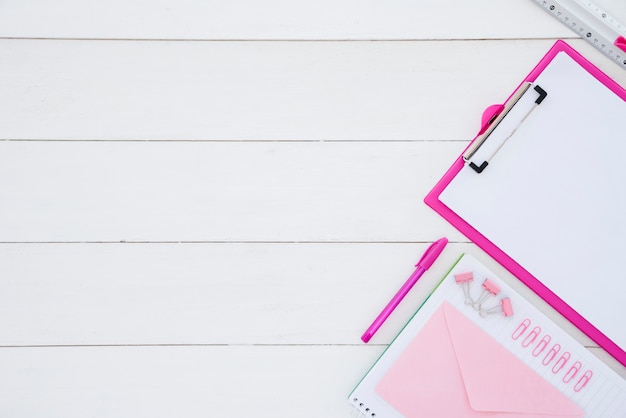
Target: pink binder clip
464,280
507,308
504,307
489,289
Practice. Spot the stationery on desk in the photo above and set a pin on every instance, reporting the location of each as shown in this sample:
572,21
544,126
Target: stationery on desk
540,189
600,25
422,265
476,348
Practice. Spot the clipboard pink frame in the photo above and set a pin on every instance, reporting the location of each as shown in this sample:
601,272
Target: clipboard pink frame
432,200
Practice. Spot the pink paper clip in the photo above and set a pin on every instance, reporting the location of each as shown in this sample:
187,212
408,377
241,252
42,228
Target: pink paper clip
571,373
464,280
582,382
489,289
505,307
551,354
541,345
530,338
560,363
521,329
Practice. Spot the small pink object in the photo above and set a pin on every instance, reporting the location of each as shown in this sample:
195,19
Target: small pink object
464,277
582,382
503,307
491,287
521,329
550,355
464,280
572,372
560,363
507,309
530,338
542,345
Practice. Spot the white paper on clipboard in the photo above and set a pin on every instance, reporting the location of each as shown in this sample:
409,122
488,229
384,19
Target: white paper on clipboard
554,196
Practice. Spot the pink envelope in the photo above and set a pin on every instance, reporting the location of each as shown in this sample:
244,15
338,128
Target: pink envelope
454,369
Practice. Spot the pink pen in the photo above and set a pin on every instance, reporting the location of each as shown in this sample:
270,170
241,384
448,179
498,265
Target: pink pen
424,264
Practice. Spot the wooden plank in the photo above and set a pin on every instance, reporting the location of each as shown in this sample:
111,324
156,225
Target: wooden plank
273,381
276,19
198,381
274,91
219,294
236,381
129,294
205,191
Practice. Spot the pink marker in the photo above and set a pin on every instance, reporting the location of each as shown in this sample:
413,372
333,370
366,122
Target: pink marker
424,264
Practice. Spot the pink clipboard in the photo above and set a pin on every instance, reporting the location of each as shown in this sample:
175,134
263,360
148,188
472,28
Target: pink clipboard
433,200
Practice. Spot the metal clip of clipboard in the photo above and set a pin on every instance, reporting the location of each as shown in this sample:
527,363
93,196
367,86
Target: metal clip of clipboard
496,121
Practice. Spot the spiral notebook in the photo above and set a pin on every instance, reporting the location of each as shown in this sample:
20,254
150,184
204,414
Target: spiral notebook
541,189
476,348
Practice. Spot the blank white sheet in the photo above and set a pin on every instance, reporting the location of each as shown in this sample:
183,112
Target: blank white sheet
560,178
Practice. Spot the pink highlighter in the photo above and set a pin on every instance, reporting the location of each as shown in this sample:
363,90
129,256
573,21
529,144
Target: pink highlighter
424,264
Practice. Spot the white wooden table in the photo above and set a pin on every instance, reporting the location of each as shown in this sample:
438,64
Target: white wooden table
205,203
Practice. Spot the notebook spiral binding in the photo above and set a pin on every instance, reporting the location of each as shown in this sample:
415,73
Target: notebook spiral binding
360,410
